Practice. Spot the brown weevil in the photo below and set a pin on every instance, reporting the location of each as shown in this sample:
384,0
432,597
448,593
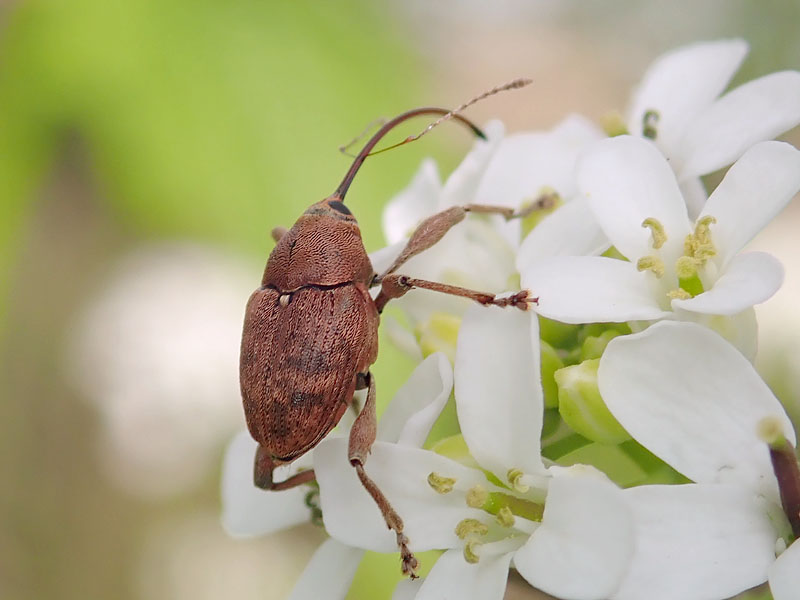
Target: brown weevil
311,329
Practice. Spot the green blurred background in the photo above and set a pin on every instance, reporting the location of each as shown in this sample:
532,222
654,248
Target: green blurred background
146,150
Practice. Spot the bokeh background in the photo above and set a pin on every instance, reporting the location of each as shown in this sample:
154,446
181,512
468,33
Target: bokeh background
146,150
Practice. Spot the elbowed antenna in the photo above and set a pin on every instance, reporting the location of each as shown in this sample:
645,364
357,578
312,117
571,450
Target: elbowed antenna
387,127
445,115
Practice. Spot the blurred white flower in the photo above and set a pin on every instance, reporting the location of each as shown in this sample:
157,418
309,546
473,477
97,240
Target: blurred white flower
567,530
694,401
676,268
157,353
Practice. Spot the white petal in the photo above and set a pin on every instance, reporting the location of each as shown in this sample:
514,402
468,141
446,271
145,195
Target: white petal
401,472
683,82
453,577
407,589
591,289
572,230
418,201
694,194
740,329
756,111
784,574
584,544
462,184
416,406
329,573
755,189
248,510
696,542
498,388
383,258
627,180
693,400
749,279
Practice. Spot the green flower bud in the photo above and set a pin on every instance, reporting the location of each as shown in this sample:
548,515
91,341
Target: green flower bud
557,334
582,407
550,363
594,346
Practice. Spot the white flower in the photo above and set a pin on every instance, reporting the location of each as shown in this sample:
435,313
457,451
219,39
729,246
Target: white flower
488,513
675,267
695,402
249,511
680,106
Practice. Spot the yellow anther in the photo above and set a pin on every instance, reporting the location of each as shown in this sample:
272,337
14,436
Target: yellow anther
505,517
685,267
656,231
477,496
702,228
440,483
470,547
471,527
678,294
770,431
651,263
514,478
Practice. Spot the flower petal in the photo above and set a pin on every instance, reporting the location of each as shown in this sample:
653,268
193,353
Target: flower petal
750,278
329,573
248,510
462,184
407,589
627,180
401,472
784,574
416,202
572,230
681,83
697,542
756,111
383,258
585,541
454,577
591,289
498,389
416,406
694,401
755,189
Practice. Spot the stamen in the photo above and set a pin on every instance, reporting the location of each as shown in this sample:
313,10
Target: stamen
656,230
514,476
649,122
613,124
470,547
678,294
651,263
786,468
440,483
688,278
505,517
770,431
477,496
471,527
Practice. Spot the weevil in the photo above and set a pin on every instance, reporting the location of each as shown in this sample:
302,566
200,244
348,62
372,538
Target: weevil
311,330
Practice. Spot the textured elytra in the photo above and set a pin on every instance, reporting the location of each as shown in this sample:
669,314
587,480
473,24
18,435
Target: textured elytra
318,250
299,362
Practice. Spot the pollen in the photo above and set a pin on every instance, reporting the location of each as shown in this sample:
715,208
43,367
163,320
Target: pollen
470,554
470,527
505,517
477,496
651,263
770,431
440,483
514,478
678,294
656,231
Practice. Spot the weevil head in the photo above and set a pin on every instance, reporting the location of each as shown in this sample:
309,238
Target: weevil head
332,206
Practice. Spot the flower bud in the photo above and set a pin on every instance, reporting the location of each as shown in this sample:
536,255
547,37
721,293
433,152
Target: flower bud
582,407
550,363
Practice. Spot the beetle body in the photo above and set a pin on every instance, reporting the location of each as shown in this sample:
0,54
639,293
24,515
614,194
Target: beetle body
309,330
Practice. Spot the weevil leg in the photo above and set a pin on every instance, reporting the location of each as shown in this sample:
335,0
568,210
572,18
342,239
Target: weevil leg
278,232
362,436
433,229
395,286
265,464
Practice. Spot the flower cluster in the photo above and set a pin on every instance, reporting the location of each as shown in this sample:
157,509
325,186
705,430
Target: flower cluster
615,441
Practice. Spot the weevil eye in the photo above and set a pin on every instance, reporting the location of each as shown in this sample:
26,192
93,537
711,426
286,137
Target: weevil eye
339,207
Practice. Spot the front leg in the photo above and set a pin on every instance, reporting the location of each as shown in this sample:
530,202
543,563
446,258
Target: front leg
395,286
362,436
264,466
